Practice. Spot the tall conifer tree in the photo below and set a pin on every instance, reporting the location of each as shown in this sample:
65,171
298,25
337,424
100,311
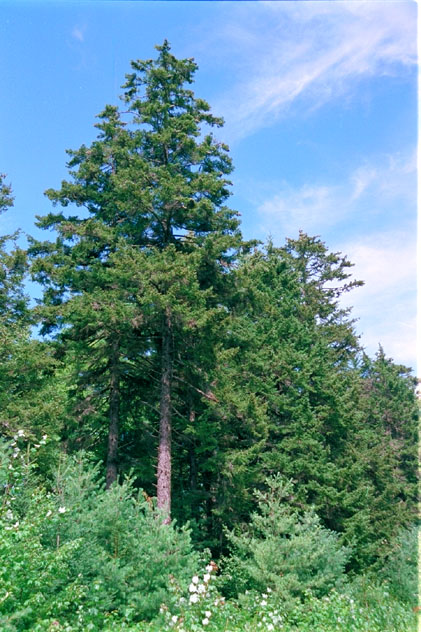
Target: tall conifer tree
155,186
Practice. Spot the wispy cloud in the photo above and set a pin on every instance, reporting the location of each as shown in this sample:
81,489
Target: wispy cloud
309,208
385,261
312,52
386,304
78,33
383,189
370,217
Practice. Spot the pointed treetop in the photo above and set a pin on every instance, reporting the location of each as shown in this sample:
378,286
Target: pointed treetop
6,198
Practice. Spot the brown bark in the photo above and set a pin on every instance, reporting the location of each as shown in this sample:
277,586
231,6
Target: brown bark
192,457
114,413
164,449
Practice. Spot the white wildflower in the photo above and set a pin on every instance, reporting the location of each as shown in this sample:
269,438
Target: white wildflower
48,514
264,596
206,577
21,433
195,579
208,614
174,618
201,588
268,590
192,588
205,621
209,568
61,509
271,626
263,602
194,598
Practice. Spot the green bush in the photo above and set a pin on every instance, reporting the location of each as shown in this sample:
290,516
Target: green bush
363,606
284,549
401,569
31,576
83,555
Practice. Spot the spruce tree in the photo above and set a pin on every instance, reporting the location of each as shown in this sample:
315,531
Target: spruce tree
13,302
285,378
31,398
380,465
154,185
342,427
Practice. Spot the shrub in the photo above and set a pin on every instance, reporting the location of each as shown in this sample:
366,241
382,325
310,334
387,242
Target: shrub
80,554
401,569
283,549
126,554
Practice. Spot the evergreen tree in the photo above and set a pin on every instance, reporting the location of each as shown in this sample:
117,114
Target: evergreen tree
31,399
295,348
13,303
345,433
282,388
380,485
284,550
155,189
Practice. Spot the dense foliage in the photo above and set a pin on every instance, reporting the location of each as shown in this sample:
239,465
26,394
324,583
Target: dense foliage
284,550
192,396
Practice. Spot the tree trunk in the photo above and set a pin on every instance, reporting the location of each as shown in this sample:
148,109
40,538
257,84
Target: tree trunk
164,449
192,456
114,413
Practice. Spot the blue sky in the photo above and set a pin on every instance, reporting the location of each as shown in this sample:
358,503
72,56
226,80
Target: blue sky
320,104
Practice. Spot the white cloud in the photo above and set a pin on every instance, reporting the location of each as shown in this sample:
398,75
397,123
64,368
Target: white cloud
383,188
385,262
348,215
78,33
309,208
396,336
386,304
312,51
362,179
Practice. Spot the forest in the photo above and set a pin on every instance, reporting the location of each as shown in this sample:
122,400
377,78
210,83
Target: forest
192,436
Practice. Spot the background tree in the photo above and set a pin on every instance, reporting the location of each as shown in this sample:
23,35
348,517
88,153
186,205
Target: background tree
381,460
13,302
321,422
281,383
32,400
